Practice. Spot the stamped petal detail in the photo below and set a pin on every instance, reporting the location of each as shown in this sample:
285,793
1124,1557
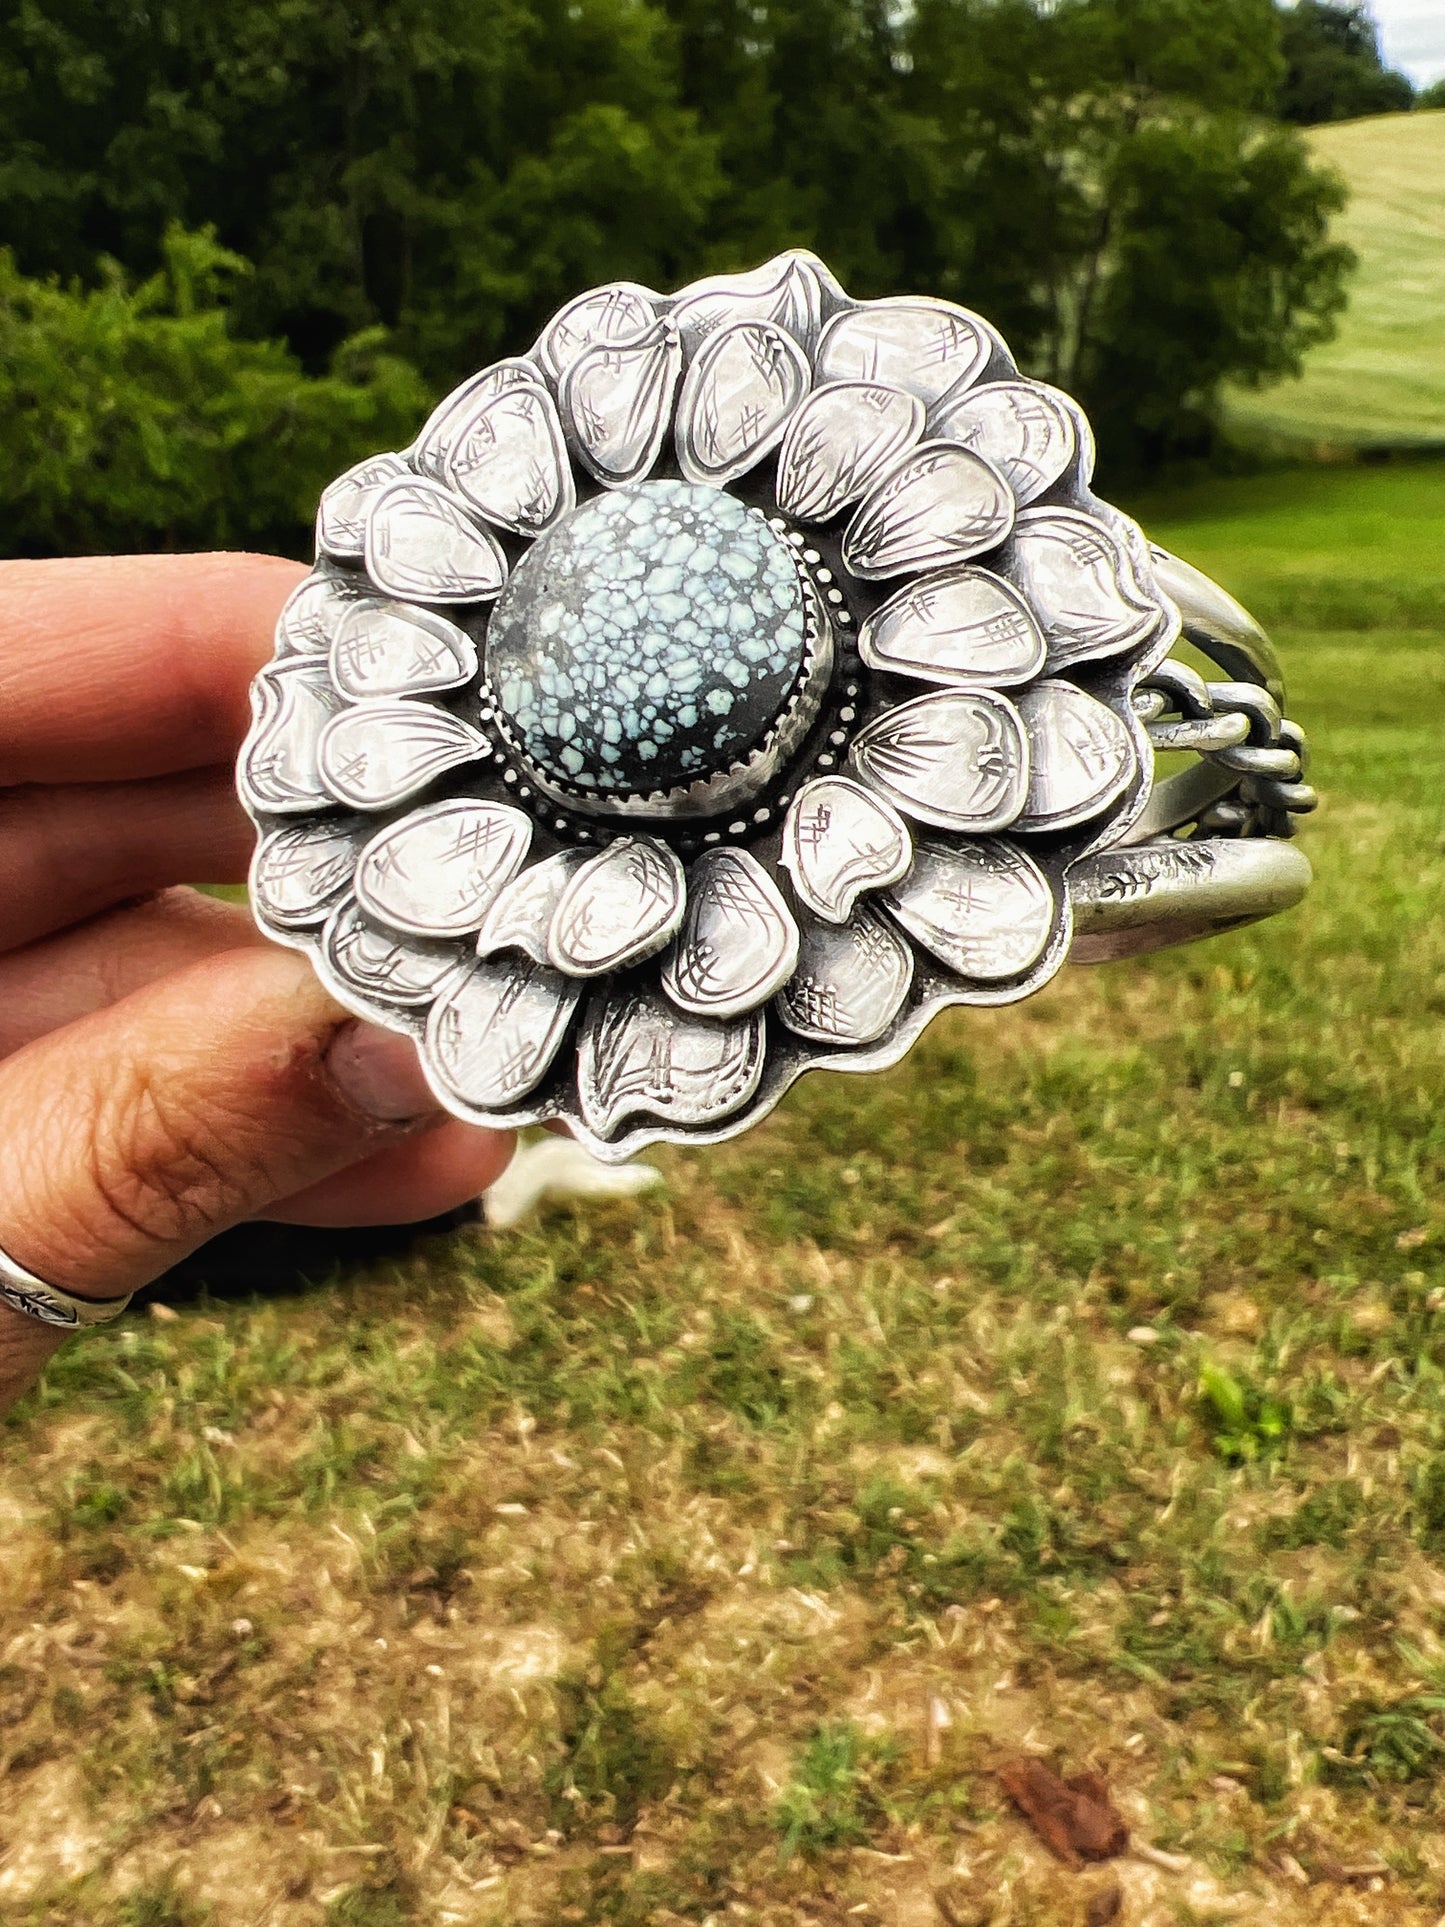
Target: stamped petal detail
617,402
618,312
738,943
509,461
959,759
313,612
522,915
1082,756
345,504
984,909
405,973
737,399
423,547
924,346
299,873
376,755
1021,427
839,443
292,701
621,906
962,625
941,504
850,982
394,649
639,1054
839,840
437,872
492,1036
432,451
1081,585
789,291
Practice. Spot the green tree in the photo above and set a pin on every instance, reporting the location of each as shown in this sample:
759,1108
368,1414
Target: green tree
1107,191
133,418
1333,66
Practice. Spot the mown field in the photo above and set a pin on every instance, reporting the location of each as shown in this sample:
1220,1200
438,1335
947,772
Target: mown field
1078,1388
1381,382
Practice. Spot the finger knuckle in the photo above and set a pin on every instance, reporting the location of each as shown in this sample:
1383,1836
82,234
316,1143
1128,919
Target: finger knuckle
164,1169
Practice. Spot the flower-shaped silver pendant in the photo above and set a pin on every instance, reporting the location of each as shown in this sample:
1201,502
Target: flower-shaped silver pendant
715,692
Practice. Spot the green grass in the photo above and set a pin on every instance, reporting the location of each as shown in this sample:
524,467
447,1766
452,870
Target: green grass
1080,1385
1381,382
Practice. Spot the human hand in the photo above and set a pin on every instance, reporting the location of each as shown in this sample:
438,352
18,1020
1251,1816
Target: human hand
164,1071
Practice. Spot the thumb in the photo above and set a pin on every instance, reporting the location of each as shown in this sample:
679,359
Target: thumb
135,1134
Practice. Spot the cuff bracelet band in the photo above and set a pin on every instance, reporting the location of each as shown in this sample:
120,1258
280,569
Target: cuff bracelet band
726,685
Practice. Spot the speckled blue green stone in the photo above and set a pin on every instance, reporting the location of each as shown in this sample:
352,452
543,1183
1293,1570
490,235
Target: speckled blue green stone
650,641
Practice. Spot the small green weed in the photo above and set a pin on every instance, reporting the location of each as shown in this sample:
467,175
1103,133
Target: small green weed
832,1799
1246,1422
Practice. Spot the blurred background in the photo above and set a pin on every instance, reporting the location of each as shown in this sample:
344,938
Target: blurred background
245,244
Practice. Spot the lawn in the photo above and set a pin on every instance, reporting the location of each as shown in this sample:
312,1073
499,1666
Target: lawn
1381,382
1077,1388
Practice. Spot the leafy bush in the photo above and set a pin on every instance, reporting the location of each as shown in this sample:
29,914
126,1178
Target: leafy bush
132,417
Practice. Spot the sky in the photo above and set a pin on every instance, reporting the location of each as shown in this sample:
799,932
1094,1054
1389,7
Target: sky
1412,36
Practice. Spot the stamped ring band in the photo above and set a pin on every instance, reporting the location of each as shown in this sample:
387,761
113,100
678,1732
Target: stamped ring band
22,1291
726,685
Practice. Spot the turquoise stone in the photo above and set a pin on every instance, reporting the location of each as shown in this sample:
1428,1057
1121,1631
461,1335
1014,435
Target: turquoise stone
649,641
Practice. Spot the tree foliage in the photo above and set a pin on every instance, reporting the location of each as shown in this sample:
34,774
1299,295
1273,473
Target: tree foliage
1101,177
1333,67
133,415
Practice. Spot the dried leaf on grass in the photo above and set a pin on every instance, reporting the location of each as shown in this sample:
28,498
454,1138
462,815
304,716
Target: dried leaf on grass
1074,1817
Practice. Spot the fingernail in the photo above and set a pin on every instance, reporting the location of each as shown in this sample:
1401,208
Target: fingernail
379,1073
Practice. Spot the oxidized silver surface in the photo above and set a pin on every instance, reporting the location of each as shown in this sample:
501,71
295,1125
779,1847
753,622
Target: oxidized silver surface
842,713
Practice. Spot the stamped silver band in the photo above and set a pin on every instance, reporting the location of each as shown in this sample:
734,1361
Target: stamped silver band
1209,850
47,1304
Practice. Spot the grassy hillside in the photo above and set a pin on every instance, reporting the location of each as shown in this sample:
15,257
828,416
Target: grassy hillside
1079,1386
1381,383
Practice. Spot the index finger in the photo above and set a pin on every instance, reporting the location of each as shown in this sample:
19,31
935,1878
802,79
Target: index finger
115,667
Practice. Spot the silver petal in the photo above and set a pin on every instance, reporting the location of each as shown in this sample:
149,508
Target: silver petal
509,461
617,402
1081,756
312,614
422,546
298,873
839,443
736,400
963,625
788,290
341,514
376,964
938,505
639,1053
394,649
984,909
376,755
522,915
738,943
621,906
291,703
1022,427
850,982
839,840
492,1036
437,872
432,450
1081,585
959,759
618,312
925,346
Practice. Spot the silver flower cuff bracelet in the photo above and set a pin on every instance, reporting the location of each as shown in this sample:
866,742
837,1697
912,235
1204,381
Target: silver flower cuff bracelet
727,685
